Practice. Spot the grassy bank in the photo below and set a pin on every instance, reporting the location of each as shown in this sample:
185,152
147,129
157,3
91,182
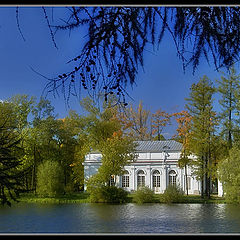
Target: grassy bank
188,199
83,197
198,199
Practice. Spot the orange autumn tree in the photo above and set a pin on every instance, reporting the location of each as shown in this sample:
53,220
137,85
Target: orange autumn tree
159,120
136,122
184,119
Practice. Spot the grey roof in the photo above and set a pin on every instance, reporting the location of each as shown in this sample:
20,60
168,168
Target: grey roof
158,146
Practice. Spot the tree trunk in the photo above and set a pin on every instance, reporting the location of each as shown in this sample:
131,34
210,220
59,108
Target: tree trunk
32,183
186,179
202,180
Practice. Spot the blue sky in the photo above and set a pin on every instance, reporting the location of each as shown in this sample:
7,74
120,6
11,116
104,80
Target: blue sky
163,84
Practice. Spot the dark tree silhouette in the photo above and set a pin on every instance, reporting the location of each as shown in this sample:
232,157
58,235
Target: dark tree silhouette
117,37
10,176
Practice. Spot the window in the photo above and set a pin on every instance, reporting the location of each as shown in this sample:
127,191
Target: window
172,178
156,178
125,179
140,178
112,181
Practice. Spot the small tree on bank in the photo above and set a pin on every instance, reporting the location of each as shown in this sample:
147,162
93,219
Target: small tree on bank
229,175
50,179
117,152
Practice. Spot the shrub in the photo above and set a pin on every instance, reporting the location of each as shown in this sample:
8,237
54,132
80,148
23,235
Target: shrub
69,188
108,194
50,179
173,194
229,175
143,195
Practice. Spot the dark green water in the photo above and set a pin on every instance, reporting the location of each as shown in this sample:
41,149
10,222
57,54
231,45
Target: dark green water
126,218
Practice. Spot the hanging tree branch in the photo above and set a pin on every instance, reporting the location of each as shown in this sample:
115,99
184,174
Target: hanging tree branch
118,36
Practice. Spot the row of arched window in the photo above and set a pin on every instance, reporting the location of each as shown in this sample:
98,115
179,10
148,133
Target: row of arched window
155,178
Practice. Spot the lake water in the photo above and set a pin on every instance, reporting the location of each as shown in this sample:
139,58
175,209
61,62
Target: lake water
125,218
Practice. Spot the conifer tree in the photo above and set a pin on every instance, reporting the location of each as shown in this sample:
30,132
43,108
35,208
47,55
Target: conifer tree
203,125
228,88
10,175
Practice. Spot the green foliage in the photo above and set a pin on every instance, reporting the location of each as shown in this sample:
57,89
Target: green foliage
202,130
22,107
173,194
116,153
50,179
10,150
104,133
108,194
229,175
101,192
228,87
143,195
203,118
42,110
81,197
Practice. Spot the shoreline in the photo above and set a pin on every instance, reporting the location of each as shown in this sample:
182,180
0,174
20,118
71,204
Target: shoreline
83,197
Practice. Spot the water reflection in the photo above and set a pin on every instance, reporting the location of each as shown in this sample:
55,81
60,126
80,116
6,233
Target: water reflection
122,218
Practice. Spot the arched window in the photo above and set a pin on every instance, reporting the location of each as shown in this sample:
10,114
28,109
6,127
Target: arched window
141,178
125,179
172,177
156,178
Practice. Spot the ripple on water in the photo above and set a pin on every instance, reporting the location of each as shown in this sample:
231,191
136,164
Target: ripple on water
120,218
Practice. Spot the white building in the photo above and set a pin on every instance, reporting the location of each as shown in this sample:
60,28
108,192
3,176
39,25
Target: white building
155,167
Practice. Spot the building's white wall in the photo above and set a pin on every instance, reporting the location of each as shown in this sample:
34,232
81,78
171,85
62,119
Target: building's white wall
220,189
93,157
158,156
148,162
89,170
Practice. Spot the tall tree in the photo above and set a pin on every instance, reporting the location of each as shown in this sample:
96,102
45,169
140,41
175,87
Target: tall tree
137,122
203,126
22,106
39,137
159,120
10,175
228,87
104,132
184,119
